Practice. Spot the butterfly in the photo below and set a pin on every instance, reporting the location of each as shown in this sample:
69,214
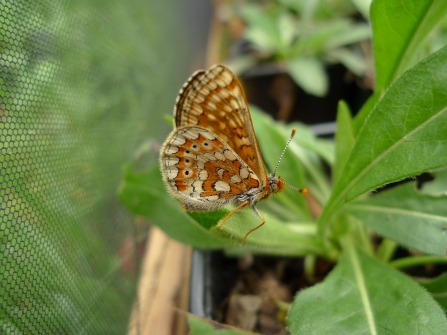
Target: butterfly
212,156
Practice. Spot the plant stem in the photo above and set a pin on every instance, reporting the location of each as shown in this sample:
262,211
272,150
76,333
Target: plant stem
386,250
309,267
412,261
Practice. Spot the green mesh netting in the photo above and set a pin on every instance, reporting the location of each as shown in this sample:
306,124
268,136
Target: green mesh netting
82,85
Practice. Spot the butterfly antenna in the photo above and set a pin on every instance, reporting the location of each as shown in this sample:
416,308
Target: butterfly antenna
282,154
301,190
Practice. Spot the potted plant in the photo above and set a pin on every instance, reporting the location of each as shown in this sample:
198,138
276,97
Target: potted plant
400,132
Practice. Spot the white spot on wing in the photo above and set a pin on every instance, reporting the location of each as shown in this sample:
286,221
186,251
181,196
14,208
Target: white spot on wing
227,77
227,109
203,175
224,94
212,85
198,186
177,139
220,172
208,135
208,157
229,155
243,172
211,117
191,134
171,149
205,91
220,156
171,172
221,186
232,124
199,98
211,105
170,160
219,82
234,104
235,179
211,198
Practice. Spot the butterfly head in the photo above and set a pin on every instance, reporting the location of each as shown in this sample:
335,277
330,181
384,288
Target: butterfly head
276,184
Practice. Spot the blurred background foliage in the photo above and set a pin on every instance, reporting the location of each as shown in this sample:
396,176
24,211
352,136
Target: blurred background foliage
83,84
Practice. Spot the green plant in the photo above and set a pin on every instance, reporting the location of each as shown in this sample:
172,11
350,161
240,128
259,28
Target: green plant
400,132
304,36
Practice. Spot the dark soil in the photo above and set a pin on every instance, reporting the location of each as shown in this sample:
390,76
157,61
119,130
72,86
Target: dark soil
254,292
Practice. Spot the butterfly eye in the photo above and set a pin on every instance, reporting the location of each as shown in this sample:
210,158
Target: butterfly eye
194,146
205,144
187,151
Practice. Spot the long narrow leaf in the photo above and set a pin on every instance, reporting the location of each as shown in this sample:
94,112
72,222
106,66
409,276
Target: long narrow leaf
344,138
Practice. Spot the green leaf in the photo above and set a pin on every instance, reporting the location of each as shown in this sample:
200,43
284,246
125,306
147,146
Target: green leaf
144,194
437,288
352,60
399,28
403,136
344,139
353,34
302,154
310,75
364,296
437,186
207,327
323,37
272,139
367,107
273,237
362,6
412,219
263,30
306,139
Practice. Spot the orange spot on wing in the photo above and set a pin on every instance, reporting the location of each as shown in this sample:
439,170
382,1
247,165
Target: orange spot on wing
182,174
235,189
184,161
181,185
253,183
236,166
208,186
208,193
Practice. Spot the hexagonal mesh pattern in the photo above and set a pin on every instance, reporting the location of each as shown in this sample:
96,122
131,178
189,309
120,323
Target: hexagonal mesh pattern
74,104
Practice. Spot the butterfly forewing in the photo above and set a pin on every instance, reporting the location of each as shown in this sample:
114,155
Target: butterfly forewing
204,171
215,100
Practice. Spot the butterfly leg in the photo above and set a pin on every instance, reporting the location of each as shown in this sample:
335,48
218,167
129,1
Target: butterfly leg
253,229
245,203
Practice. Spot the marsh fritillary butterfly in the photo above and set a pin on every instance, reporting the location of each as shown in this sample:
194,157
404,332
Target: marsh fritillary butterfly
212,157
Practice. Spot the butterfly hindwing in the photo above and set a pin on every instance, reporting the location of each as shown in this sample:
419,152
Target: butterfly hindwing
203,171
